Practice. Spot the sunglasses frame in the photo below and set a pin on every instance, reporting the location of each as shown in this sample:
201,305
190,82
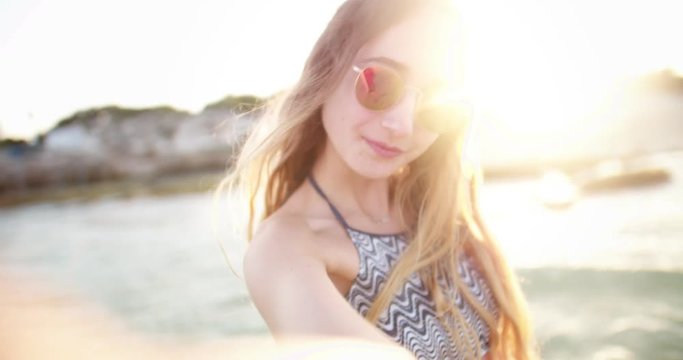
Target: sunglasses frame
404,86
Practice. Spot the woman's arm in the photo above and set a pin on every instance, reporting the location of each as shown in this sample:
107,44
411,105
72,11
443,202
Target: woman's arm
289,284
35,326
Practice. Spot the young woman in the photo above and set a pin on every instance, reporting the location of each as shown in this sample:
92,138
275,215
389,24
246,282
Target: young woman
369,226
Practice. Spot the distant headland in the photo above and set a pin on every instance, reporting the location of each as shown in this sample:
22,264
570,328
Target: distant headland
115,144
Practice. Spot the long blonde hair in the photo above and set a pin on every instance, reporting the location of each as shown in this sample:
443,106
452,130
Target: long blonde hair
279,154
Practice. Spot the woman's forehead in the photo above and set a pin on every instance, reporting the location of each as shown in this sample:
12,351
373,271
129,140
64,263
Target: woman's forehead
425,47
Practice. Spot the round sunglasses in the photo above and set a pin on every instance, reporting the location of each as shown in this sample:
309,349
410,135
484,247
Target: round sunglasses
380,87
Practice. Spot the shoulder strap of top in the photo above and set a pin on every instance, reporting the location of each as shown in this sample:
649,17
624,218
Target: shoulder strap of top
336,212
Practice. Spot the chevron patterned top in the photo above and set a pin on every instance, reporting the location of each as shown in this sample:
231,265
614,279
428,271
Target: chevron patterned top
411,318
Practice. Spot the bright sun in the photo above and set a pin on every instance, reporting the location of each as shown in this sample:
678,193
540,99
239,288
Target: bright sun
543,67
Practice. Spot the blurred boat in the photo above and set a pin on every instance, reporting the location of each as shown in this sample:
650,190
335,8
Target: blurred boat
620,174
558,190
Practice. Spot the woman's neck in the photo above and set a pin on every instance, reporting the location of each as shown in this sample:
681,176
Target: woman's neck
351,191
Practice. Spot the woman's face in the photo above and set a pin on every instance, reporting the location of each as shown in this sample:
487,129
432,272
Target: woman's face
376,144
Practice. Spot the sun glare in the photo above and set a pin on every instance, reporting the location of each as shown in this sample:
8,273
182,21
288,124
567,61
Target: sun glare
544,67
536,66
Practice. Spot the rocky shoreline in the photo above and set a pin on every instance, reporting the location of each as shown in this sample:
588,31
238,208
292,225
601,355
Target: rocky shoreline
113,144
196,182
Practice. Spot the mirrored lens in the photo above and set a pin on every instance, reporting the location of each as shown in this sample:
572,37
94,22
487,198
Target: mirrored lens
378,88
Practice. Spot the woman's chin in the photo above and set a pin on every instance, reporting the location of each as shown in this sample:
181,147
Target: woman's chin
377,169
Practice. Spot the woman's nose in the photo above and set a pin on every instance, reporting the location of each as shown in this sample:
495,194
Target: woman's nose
400,118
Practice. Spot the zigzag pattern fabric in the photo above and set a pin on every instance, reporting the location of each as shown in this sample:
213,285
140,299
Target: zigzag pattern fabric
411,318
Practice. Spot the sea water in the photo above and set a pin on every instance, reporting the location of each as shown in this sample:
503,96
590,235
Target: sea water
604,277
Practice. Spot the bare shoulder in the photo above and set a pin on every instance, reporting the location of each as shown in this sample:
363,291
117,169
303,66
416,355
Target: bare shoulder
282,240
281,255
288,282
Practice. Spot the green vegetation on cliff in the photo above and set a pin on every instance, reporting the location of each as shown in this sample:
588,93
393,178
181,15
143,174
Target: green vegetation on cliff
237,103
4,143
84,117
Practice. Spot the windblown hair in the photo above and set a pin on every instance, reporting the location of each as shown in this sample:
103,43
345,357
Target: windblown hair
438,204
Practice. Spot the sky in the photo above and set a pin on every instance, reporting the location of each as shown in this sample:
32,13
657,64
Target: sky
61,56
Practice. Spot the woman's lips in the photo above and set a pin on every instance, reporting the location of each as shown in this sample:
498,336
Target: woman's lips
382,149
